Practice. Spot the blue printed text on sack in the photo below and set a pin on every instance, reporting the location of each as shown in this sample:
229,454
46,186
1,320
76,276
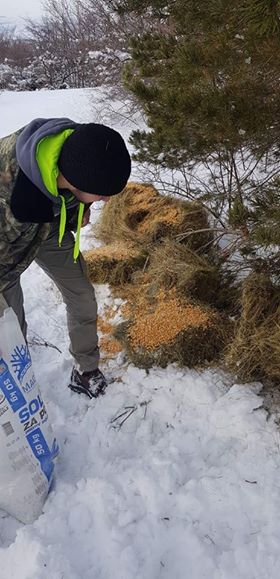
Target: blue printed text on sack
32,408
28,386
9,388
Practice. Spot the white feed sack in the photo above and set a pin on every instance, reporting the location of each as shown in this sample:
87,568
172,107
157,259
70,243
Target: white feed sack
27,445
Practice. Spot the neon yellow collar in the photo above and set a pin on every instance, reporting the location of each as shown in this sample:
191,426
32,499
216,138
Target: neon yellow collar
47,155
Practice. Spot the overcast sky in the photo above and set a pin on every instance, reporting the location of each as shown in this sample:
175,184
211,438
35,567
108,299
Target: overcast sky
14,9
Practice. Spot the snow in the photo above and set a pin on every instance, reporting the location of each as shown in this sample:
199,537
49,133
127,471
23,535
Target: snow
81,105
187,487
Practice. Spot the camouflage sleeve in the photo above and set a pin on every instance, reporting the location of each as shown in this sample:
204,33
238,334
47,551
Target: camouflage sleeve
19,242
15,238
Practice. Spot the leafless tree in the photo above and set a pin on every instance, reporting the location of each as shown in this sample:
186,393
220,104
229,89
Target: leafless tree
76,43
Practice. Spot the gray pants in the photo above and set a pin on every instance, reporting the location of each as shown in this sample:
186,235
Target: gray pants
77,293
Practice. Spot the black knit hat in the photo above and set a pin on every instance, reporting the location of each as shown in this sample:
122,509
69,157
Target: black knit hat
95,160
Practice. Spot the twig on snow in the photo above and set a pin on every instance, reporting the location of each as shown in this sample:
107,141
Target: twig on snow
37,340
128,411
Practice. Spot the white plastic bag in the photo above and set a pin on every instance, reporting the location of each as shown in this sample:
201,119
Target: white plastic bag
27,445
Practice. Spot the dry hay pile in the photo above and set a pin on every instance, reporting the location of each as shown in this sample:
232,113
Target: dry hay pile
152,261
174,265
114,263
109,346
141,215
255,351
171,329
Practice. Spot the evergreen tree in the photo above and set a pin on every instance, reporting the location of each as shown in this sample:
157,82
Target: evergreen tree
207,76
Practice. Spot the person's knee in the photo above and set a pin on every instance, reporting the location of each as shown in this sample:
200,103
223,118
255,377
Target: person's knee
82,303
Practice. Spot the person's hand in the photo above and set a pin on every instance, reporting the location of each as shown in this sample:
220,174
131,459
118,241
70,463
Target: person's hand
86,217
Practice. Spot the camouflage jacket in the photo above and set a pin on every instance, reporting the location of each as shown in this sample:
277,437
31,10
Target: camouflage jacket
19,241
27,208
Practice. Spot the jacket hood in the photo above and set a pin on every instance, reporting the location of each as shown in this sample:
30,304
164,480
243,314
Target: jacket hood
26,147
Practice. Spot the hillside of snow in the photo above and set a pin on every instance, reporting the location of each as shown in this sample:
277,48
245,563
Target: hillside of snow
188,487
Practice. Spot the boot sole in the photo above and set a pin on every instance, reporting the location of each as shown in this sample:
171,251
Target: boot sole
88,393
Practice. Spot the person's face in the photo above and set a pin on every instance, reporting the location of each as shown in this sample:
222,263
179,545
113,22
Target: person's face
62,183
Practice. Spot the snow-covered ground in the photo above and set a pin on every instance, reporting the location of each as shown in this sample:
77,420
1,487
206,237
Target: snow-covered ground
188,487
81,105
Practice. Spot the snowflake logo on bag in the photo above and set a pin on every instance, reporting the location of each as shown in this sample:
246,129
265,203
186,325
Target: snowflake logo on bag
20,361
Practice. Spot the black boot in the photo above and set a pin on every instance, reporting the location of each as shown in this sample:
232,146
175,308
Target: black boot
92,383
